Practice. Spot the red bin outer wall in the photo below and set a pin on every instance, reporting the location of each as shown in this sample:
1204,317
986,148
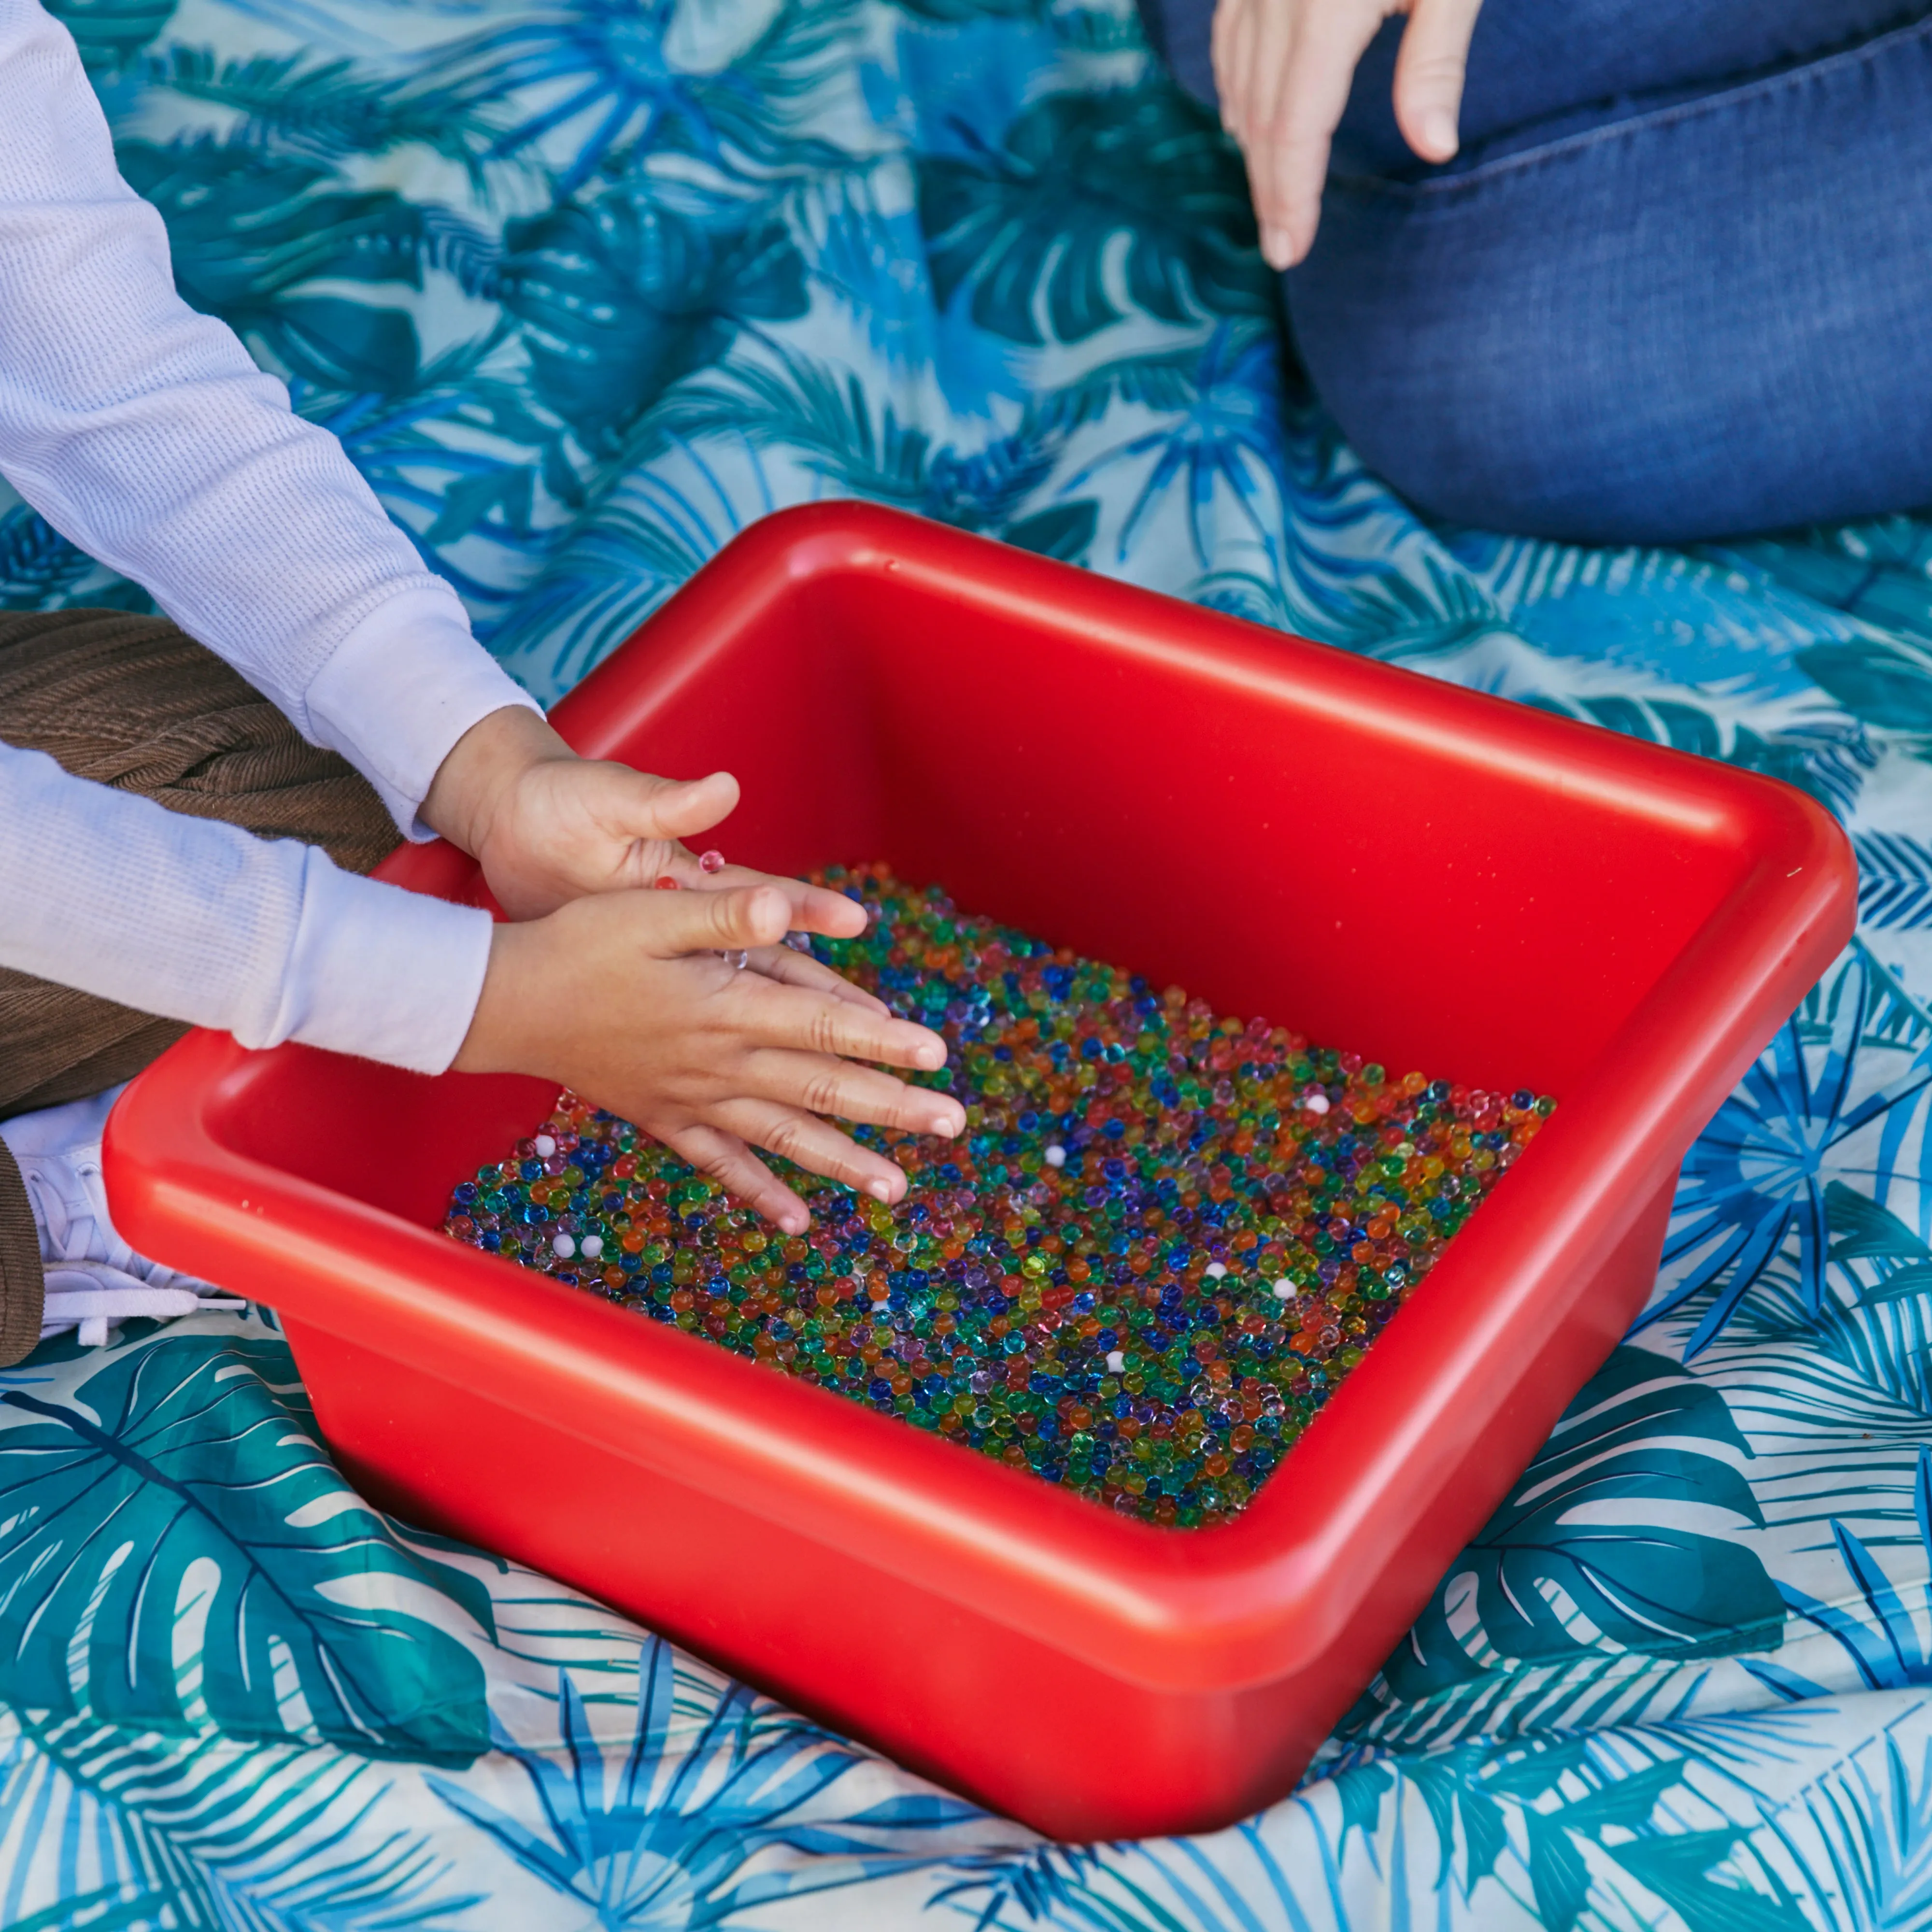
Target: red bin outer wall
1433,877
1076,1751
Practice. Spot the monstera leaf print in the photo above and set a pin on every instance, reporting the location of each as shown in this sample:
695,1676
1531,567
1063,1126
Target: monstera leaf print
1029,230
175,1490
1589,1533
621,297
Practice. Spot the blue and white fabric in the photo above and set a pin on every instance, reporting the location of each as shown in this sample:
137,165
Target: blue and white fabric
587,286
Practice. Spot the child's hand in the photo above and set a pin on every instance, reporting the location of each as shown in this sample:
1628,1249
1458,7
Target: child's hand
620,996
548,826
1283,69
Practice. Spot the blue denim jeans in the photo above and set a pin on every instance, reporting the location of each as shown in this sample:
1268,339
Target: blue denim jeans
1677,285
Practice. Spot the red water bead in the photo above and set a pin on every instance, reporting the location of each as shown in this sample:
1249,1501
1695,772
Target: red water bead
667,884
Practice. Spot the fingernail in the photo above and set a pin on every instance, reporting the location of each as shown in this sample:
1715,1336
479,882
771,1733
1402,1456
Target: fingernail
931,1058
1439,130
792,1224
948,1124
880,1190
1278,246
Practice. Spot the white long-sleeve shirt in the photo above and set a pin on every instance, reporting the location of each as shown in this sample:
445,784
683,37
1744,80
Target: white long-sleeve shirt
143,433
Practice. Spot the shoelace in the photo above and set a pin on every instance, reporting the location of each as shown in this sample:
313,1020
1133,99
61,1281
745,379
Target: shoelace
90,1295
93,1278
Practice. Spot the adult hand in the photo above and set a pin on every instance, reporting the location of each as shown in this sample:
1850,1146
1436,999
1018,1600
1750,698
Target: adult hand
548,826
622,996
1283,69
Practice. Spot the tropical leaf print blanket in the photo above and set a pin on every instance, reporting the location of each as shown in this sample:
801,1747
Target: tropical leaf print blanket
587,285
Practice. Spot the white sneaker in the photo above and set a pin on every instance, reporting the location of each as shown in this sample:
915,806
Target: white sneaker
93,1278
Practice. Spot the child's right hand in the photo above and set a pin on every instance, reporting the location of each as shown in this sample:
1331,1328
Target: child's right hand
623,997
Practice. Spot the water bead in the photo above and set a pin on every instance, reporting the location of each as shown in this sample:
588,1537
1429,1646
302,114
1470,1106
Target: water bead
1163,1240
712,861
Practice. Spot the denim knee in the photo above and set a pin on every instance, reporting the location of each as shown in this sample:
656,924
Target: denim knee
1692,322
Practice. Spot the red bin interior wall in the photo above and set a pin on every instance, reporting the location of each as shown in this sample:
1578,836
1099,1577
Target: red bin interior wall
1409,893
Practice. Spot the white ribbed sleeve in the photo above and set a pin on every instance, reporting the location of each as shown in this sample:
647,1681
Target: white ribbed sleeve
198,921
144,434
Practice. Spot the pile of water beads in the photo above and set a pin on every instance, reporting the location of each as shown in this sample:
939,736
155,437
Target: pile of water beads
1163,1240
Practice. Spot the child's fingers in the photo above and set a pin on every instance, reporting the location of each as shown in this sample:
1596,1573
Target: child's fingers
851,1092
822,911
800,969
655,808
735,1168
813,908
788,1017
724,922
817,1146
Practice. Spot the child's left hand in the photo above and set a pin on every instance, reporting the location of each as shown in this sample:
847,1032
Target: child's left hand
547,826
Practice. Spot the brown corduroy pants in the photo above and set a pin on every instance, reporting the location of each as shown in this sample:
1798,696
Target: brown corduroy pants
136,704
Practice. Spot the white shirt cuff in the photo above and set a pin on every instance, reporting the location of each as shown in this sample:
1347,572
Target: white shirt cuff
400,689
392,975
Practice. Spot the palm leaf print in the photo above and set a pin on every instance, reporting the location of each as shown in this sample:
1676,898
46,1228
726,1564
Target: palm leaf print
586,287
117,1516
1026,230
1587,1539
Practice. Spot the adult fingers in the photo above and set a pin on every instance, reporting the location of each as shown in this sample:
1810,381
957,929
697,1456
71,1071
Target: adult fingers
1233,24
817,1146
848,1091
735,1168
794,1018
1259,58
792,968
1429,68
1288,151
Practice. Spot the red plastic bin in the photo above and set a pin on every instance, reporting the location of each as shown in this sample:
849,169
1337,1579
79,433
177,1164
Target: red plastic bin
1428,876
